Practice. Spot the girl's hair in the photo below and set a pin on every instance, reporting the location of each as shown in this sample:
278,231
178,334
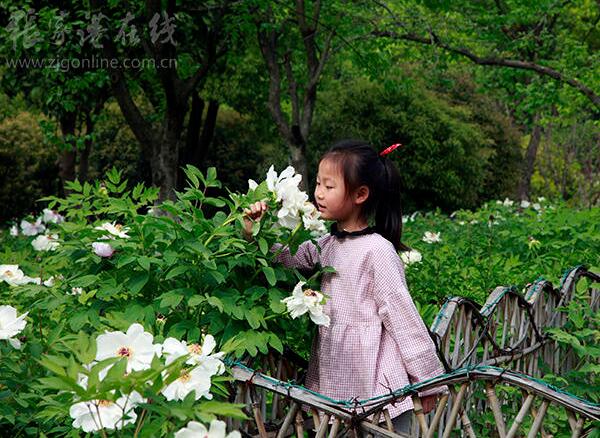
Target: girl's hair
361,165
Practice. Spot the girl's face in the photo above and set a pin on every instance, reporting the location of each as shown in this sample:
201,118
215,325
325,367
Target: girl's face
330,194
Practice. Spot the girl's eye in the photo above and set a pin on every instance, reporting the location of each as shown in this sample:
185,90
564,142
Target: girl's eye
328,187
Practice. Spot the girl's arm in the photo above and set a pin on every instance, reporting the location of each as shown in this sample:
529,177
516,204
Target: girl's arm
401,318
304,259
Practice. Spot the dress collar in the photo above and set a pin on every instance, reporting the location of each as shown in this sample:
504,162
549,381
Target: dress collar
343,233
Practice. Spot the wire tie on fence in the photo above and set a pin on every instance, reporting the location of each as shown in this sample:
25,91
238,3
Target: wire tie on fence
250,380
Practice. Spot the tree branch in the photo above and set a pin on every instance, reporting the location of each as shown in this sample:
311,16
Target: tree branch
267,40
498,62
310,94
292,88
142,129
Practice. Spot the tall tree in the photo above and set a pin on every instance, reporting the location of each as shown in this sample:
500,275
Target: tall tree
44,58
184,41
535,50
296,41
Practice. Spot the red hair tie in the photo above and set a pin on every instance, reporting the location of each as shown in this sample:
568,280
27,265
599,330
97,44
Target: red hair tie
389,149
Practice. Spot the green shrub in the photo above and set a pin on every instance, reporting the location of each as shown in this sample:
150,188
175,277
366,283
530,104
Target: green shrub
454,156
28,168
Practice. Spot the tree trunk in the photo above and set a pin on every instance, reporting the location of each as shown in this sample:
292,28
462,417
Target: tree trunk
208,132
66,160
84,155
297,148
166,154
197,144
529,163
194,125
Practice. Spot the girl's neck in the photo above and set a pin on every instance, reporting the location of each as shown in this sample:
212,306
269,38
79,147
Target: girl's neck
352,224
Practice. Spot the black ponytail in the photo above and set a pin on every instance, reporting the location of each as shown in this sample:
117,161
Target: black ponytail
361,165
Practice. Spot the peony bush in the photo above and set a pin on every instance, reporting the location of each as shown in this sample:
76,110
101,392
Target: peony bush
130,308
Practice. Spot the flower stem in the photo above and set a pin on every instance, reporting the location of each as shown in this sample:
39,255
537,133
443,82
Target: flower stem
227,222
140,423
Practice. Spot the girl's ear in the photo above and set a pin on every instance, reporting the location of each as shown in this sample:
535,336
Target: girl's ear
361,194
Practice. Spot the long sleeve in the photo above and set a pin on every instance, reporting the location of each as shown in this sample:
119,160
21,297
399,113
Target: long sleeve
401,318
304,259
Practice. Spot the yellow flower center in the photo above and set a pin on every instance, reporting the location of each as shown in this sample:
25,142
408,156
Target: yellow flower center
310,293
118,227
195,349
124,352
185,376
104,403
8,274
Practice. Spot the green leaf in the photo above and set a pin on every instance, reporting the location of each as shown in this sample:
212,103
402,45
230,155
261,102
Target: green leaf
270,275
216,202
223,409
255,316
215,302
137,282
196,300
211,174
263,246
170,299
144,262
275,304
84,281
55,364
275,342
176,271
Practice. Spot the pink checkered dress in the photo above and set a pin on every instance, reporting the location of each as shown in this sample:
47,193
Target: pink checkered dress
376,339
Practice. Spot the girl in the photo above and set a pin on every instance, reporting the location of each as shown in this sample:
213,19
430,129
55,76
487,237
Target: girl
376,340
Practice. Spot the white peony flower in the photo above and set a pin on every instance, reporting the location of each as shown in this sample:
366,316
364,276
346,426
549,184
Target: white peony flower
32,280
45,242
430,237
11,325
199,354
293,201
76,291
32,229
49,282
524,204
507,202
12,275
307,301
194,379
252,185
536,206
311,220
50,216
94,415
136,345
198,430
114,229
412,256
14,231
461,222
102,249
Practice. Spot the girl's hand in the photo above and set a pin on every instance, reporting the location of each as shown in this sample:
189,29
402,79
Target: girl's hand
429,402
255,213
